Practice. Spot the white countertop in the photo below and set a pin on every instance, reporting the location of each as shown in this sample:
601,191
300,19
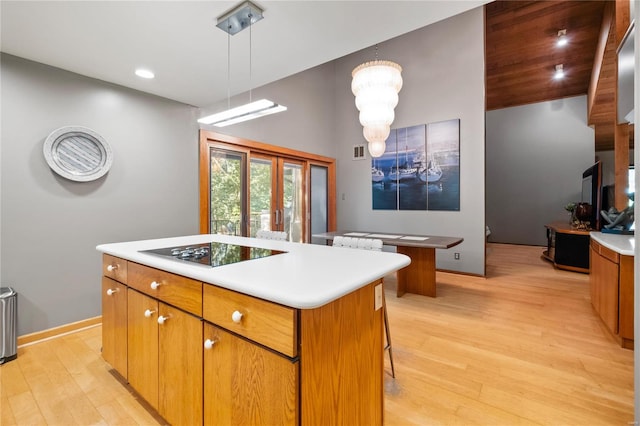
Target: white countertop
622,244
306,276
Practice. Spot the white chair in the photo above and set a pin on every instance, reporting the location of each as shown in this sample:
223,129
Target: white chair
271,235
375,245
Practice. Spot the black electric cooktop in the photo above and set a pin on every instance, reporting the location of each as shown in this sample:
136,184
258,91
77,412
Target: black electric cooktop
212,254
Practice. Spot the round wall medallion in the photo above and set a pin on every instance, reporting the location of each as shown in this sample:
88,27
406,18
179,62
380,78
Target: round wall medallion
78,153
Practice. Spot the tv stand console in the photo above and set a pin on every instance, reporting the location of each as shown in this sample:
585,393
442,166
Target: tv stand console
567,247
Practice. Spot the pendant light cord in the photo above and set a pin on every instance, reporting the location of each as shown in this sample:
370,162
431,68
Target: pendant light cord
250,45
229,68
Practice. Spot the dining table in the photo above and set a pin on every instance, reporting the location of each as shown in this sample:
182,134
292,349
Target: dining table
419,277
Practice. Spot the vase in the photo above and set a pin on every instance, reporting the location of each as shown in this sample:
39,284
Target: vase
583,212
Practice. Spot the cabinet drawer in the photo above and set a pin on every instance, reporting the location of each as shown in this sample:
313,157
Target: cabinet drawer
114,268
605,252
175,290
264,322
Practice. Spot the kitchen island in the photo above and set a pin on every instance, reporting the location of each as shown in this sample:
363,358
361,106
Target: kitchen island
291,337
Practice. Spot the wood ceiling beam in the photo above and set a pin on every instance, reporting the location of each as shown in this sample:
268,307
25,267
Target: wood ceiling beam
623,19
599,60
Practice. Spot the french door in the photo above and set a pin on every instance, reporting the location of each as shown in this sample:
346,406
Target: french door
245,187
227,170
277,196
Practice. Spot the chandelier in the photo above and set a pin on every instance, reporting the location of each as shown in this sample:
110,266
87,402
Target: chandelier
376,85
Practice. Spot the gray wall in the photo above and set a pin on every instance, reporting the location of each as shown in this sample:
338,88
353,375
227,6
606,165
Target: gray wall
443,74
535,157
307,125
49,225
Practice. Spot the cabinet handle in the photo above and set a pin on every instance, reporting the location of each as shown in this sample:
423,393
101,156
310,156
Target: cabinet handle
112,268
208,344
236,317
155,285
162,319
148,313
111,291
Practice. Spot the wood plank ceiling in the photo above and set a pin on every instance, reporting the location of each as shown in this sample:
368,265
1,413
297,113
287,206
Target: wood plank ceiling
522,54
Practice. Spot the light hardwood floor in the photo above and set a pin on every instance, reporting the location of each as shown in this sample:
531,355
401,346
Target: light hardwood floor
522,346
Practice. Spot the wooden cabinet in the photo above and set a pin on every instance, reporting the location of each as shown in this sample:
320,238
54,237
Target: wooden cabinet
264,322
115,268
201,354
341,367
114,325
178,291
567,247
246,383
179,366
611,289
165,358
143,345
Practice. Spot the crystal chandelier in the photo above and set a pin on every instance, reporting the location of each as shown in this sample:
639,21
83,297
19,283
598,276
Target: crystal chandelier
376,85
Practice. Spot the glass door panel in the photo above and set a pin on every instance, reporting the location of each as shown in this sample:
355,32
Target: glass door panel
292,208
319,196
227,202
243,190
261,194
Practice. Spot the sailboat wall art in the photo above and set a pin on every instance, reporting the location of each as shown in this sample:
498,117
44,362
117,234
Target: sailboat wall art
420,169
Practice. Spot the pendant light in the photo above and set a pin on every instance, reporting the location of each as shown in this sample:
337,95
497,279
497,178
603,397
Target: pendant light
237,19
376,85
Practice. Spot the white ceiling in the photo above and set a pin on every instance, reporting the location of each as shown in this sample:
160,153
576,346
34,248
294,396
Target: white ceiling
179,41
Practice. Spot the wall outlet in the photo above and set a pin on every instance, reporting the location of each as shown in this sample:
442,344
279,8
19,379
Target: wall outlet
456,256
377,302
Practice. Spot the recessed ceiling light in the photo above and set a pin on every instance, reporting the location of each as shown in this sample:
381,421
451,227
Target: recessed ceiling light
144,73
559,72
562,38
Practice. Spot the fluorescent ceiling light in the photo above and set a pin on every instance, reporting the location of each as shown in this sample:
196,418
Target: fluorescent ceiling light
232,22
243,113
144,73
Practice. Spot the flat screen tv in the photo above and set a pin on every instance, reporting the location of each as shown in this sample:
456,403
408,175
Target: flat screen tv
592,192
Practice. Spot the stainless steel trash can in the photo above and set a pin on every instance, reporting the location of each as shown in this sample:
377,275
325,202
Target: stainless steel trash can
8,324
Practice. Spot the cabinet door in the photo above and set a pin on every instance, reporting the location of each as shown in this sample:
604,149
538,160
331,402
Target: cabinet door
179,366
626,298
143,346
605,278
247,384
114,325
595,280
